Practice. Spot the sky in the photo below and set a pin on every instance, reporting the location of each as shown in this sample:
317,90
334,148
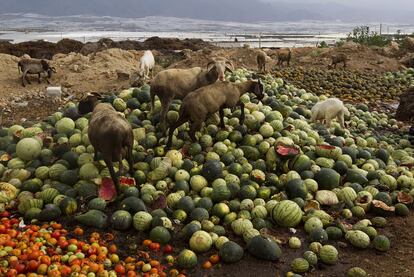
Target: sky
391,11
409,4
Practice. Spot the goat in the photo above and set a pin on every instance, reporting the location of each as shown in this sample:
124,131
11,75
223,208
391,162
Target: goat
197,105
261,61
405,110
340,58
146,65
177,83
35,66
329,109
284,56
109,133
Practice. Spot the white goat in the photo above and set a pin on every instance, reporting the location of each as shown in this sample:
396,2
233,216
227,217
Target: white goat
146,64
329,109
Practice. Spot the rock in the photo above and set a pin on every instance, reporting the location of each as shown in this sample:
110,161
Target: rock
408,60
392,49
350,45
122,75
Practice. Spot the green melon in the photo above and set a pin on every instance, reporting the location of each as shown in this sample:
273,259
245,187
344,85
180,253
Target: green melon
287,214
356,272
311,257
200,242
357,238
68,206
186,259
28,149
328,254
327,179
296,188
231,252
160,234
142,221
121,220
299,265
381,243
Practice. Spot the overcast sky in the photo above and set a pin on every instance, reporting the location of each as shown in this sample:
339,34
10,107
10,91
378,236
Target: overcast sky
395,4
227,10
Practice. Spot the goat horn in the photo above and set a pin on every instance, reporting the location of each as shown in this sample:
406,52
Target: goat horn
230,64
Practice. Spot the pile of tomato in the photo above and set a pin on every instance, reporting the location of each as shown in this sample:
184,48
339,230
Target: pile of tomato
49,250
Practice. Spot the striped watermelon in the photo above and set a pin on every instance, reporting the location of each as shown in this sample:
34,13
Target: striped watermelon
347,195
29,203
328,254
56,170
48,195
287,214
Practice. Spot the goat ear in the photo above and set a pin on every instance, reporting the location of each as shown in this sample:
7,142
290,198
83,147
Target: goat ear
98,95
53,69
210,65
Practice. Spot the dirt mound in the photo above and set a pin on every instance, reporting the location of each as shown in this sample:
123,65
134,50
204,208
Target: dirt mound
46,50
36,49
66,46
175,44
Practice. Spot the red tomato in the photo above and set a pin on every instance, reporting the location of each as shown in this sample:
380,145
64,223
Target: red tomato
5,214
56,234
154,246
11,273
21,268
168,249
32,266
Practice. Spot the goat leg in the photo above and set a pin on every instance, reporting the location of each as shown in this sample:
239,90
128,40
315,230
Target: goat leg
163,117
195,126
121,166
174,126
221,112
241,105
26,78
110,166
95,156
130,162
38,78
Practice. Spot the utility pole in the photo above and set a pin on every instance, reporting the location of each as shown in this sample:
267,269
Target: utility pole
380,29
260,40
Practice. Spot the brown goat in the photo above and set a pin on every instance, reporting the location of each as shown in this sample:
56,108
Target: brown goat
405,110
339,58
197,105
261,61
284,56
109,134
177,83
